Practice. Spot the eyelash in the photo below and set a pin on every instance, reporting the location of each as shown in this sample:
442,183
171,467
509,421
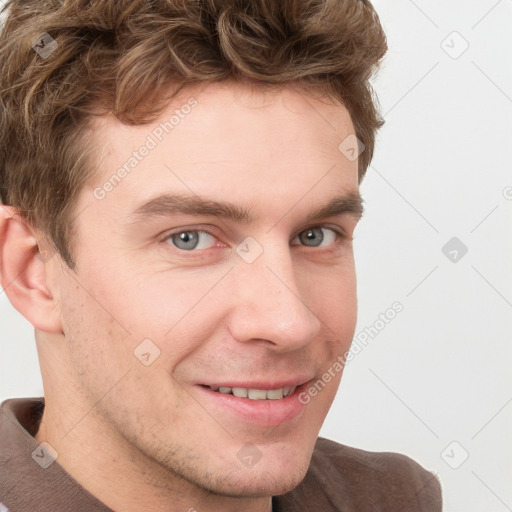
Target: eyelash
340,237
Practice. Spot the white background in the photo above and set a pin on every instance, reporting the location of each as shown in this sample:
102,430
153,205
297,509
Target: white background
439,372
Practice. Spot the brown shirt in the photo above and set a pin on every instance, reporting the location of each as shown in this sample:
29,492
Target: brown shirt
339,478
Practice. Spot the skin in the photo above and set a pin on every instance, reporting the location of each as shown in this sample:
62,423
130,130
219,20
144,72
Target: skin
146,437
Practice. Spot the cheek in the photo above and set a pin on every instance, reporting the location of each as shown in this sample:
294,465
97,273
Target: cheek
335,299
107,368
114,320
159,303
337,307
96,313
93,335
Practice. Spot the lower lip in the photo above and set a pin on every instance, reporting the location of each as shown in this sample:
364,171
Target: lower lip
260,412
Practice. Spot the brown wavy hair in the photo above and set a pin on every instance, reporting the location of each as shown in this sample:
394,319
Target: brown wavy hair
130,57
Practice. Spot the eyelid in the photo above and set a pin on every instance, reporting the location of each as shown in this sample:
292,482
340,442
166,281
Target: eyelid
333,227
340,232
198,229
340,237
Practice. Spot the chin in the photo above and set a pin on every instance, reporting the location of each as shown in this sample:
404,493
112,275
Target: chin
257,484
264,479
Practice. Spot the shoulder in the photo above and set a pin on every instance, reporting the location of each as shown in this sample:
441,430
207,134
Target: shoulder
390,464
350,479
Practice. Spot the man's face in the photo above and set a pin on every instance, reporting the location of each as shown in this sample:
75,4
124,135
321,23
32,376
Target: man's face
266,303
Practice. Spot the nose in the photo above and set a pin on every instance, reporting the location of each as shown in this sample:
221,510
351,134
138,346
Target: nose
269,305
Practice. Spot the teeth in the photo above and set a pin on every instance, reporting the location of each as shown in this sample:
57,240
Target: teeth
292,390
257,394
274,394
240,392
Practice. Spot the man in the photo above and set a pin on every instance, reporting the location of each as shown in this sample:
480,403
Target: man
180,187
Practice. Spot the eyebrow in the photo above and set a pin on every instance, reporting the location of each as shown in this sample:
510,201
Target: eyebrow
165,205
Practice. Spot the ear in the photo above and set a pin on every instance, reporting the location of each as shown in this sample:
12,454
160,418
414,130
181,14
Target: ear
23,272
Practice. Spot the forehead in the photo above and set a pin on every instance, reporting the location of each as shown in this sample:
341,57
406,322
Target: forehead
226,139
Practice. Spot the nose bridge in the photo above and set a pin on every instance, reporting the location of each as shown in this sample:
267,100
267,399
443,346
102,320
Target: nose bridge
270,302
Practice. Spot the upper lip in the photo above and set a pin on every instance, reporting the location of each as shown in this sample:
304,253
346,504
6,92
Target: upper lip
260,383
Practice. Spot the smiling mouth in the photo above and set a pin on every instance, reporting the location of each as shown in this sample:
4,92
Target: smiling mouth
255,394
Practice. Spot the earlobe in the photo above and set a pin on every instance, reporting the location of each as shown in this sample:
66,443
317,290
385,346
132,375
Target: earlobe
23,273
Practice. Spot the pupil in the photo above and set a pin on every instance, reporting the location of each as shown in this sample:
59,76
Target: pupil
187,240
313,235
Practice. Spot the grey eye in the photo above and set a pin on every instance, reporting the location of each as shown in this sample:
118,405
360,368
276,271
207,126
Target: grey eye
313,237
190,240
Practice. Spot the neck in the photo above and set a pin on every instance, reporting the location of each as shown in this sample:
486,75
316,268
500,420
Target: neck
121,476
